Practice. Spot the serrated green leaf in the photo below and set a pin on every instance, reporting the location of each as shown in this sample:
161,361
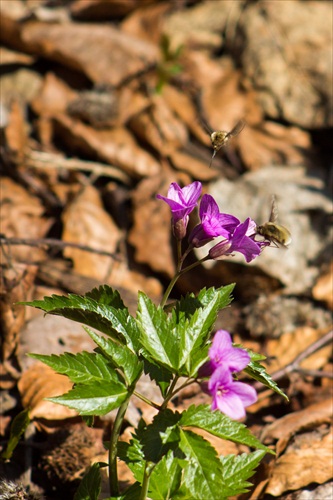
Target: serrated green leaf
122,357
116,323
190,303
132,454
159,374
132,493
90,486
81,368
17,428
258,372
158,338
197,332
236,469
160,436
219,425
165,478
107,296
96,399
203,470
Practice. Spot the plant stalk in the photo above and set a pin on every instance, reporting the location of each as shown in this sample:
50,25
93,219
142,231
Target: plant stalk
113,448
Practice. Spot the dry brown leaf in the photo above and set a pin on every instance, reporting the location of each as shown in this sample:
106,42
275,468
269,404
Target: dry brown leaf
151,231
273,144
86,222
54,96
278,58
8,56
198,169
102,9
21,216
145,23
16,132
286,427
101,52
116,146
159,127
181,104
132,281
323,289
307,461
224,103
285,349
40,382
16,286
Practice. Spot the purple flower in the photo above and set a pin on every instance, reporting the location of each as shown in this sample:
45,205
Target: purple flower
222,353
181,201
213,223
230,397
241,241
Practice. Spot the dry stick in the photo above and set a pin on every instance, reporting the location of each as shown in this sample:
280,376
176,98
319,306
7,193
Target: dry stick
55,243
294,365
39,159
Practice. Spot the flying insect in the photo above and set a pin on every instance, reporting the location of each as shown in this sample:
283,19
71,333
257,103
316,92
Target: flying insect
220,138
274,233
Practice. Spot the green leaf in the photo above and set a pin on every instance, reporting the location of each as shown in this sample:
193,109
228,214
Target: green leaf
219,425
203,469
17,428
159,374
158,338
237,469
122,357
90,486
96,399
132,493
165,478
132,454
198,330
107,296
114,322
81,368
258,372
160,436
190,303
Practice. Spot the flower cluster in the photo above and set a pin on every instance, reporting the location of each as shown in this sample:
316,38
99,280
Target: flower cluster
229,396
236,236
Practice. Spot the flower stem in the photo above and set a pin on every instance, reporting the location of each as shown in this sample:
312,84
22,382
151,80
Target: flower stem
170,393
146,400
113,448
145,482
177,275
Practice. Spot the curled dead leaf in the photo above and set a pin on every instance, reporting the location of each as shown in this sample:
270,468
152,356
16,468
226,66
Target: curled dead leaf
39,382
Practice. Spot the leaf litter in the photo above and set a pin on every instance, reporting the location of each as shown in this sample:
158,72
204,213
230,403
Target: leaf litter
89,108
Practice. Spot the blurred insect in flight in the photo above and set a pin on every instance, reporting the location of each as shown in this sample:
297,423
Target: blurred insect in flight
272,232
220,138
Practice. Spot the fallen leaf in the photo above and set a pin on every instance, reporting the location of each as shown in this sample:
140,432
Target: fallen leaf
86,222
299,421
40,382
103,53
323,289
307,461
116,146
291,344
151,231
22,216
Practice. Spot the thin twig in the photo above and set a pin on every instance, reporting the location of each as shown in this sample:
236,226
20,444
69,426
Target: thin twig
39,159
51,242
293,366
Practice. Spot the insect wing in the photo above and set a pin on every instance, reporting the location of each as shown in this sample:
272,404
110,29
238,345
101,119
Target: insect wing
237,128
273,216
